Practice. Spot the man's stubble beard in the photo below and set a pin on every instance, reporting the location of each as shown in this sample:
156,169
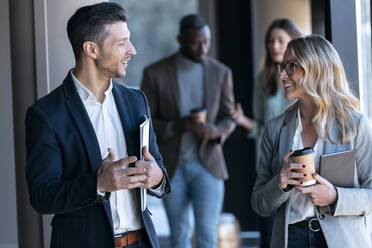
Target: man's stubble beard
108,71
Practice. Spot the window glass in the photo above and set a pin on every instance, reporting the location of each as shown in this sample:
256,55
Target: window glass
154,28
363,15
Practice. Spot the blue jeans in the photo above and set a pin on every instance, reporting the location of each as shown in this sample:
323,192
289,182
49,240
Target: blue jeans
305,238
194,188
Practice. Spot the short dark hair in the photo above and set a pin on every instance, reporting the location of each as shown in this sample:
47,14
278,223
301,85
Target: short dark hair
88,24
191,21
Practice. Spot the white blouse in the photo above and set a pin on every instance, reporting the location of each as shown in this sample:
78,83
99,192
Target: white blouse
301,206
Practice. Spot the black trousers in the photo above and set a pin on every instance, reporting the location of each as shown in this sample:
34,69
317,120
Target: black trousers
300,237
266,229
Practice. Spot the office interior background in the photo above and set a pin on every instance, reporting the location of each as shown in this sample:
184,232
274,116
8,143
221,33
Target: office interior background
35,56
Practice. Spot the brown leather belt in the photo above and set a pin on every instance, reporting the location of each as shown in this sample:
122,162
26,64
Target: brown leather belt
129,238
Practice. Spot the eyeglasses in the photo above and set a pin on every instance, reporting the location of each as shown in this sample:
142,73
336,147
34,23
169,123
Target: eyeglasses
289,67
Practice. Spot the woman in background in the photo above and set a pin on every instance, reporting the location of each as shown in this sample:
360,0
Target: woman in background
326,118
268,98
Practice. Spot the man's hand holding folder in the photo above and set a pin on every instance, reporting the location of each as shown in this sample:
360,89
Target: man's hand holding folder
153,173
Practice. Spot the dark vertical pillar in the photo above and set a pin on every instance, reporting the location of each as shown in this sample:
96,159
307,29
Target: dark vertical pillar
318,17
24,94
235,50
336,20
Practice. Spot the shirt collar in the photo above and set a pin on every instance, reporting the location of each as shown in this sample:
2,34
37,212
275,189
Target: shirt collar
186,62
299,123
84,93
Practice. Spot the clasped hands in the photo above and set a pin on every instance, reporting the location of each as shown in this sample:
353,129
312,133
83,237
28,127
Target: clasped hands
115,175
322,194
203,130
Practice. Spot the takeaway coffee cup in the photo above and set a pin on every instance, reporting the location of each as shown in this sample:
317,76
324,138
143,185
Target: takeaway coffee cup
305,156
199,115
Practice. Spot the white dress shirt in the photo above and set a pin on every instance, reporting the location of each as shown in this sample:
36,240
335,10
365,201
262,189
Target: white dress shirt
109,131
301,205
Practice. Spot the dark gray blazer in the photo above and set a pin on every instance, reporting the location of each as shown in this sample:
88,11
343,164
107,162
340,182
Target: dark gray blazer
346,227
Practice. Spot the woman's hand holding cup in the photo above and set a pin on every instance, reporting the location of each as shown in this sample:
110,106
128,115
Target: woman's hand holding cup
288,175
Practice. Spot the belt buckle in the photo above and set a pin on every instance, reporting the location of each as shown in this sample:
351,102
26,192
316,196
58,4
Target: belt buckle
311,225
121,240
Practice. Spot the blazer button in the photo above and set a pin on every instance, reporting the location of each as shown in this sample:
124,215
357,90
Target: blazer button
321,216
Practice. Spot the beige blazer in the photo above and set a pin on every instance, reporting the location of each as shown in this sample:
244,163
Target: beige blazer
346,226
161,87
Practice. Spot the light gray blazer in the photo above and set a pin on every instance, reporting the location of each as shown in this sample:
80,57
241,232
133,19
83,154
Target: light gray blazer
346,227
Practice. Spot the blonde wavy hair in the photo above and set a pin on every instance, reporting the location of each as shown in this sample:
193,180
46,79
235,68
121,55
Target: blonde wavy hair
324,80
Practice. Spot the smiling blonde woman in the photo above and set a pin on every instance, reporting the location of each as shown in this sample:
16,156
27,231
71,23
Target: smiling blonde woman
325,82
325,117
268,98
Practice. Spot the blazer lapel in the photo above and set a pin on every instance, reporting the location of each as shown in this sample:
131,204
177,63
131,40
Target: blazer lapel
336,146
82,121
128,123
130,127
208,79
173,81
287,133
328,146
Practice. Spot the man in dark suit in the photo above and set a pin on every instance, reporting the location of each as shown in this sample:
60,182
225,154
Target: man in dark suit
83,142
177,86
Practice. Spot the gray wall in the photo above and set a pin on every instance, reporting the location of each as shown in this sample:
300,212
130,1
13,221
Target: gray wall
8,208
161,25
54,56
343,19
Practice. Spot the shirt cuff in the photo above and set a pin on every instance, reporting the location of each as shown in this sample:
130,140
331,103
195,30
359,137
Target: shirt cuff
99,193
159,191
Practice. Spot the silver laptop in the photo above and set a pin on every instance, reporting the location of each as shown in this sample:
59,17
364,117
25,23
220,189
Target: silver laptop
338,168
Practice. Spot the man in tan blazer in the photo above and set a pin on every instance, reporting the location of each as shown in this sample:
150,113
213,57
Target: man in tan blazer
176,86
